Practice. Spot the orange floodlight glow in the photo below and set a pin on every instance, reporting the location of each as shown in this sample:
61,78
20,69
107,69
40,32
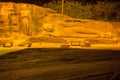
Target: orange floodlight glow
26,25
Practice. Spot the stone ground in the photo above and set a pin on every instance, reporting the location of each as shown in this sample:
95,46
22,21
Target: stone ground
60,64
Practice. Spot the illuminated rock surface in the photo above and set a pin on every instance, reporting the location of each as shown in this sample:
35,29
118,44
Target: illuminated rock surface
26,24
28,19
22,22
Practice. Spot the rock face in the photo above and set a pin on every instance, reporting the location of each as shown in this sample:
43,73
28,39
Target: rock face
24,18
30,20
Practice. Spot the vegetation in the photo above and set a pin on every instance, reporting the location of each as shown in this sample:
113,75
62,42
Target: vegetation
107,11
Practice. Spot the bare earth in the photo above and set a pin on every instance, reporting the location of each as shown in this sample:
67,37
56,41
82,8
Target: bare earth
60,64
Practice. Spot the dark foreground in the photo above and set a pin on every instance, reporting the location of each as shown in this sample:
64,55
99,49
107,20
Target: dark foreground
60,64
